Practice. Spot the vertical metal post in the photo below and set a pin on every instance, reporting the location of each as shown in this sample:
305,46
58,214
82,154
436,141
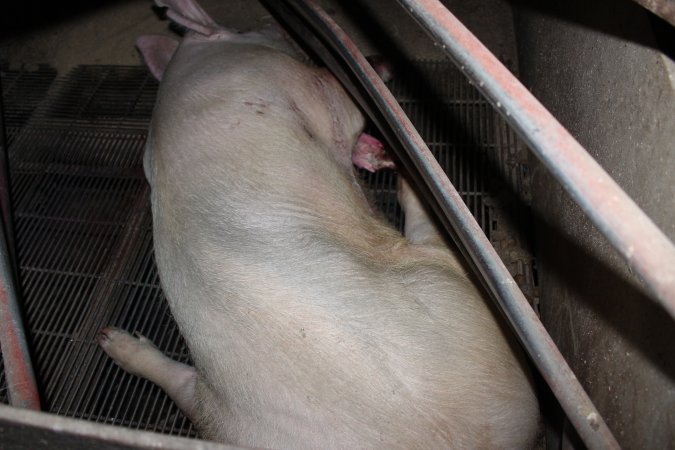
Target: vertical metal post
19,375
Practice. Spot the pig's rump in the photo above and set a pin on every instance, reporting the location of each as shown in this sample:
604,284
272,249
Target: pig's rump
374,361
310,321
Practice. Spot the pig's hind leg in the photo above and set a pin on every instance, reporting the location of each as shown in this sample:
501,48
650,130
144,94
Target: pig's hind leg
138,356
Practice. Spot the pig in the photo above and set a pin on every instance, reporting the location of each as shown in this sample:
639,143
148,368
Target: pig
311,322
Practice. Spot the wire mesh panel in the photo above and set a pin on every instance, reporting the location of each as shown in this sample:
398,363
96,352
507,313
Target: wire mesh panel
84,228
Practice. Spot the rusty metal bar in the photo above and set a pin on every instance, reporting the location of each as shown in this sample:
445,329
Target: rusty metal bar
644,247
318,31
21,385
21,429
665,9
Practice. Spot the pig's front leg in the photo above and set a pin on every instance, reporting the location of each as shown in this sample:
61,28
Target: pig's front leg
420,228
140,357
369,153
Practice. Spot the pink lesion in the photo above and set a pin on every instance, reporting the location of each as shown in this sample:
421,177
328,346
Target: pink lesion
369,154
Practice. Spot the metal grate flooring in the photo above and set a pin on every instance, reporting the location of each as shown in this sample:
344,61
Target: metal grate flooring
84,228
85,244
22,91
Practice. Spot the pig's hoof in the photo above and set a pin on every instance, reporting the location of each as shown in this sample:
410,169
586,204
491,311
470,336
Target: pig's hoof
131,353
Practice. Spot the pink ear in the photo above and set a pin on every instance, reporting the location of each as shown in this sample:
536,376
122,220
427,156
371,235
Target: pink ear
189,14
157,52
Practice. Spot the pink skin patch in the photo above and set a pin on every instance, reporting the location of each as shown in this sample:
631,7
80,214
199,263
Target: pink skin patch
369,154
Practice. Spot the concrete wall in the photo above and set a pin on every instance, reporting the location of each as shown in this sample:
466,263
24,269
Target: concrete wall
598,67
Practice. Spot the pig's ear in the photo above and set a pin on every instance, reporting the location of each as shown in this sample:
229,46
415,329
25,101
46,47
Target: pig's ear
157,52
189,14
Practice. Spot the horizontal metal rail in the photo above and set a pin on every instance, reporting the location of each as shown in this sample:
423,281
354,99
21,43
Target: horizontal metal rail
318,31
644,247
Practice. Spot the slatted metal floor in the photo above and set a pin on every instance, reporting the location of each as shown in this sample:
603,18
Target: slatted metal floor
22,91
84,228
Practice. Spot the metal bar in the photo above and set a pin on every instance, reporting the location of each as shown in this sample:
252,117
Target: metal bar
662,8
19,374
318,31
28,429
16,357
644,247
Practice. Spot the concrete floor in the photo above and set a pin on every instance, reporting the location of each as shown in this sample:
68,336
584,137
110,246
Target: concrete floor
105,33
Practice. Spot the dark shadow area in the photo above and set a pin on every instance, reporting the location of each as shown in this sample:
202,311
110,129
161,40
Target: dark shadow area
23,17
585,305
665,35
616,339
599,288
624,19
360,13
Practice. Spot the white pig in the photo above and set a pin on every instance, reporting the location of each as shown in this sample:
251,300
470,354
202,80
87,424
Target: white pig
311,322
